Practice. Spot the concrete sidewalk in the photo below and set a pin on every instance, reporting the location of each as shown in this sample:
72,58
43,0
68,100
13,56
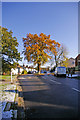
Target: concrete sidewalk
77,74
8,99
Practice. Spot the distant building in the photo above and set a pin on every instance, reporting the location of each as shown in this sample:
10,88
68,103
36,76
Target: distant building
19,69
77,61
71,62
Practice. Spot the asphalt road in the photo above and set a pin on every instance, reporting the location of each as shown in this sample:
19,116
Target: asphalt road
50,97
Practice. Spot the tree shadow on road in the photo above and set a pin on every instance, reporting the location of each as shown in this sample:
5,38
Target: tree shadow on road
42,102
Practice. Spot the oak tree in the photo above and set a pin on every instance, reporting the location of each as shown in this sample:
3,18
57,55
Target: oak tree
37,48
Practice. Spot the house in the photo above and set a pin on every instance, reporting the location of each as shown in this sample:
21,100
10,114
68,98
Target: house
77,61
30,68
71,62
19,69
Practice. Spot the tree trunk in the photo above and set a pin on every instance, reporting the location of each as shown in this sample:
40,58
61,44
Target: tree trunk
39,68
56,61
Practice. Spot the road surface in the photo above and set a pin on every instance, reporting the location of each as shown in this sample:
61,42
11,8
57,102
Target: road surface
47,96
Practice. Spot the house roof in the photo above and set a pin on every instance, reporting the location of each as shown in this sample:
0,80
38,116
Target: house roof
77,56
71,58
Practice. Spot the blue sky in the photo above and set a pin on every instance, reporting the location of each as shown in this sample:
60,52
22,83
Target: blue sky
59,19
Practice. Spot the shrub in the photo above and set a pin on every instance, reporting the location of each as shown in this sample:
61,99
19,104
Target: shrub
24,72
29,72
51,70
8,72
3,73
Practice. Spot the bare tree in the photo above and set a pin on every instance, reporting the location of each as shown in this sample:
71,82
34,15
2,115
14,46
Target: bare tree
60,56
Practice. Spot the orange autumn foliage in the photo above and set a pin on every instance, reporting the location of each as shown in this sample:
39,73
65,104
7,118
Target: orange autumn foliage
37,47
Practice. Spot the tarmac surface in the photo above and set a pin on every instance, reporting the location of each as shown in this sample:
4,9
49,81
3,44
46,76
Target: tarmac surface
47,96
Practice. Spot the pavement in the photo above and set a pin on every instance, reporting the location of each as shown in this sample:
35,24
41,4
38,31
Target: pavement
47,96
77,74
8,100
74,75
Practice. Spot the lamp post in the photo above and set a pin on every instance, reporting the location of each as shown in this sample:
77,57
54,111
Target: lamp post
11,77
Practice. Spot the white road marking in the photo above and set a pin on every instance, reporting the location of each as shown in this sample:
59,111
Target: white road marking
55,82
76,89
52,80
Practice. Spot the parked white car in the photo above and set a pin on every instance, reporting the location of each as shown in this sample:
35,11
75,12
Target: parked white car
60,71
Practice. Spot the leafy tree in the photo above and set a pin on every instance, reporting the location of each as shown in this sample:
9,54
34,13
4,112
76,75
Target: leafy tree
0,53
65,62
10,54
37,48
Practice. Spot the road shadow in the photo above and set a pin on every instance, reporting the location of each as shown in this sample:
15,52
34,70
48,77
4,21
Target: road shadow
41,102
34,85
14,91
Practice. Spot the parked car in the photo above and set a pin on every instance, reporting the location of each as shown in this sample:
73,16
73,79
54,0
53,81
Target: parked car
60,71
45,71
42,71
34,72
29,72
